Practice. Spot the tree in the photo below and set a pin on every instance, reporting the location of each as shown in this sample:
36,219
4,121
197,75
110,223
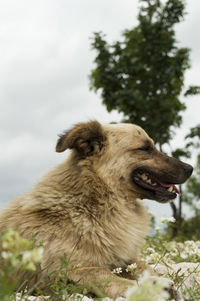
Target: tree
188,228
177,209
192,191
191,194
142,76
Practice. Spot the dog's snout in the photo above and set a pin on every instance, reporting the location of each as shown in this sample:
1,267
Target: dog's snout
188,169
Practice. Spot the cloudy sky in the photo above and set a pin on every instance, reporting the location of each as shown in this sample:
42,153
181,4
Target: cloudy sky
45,60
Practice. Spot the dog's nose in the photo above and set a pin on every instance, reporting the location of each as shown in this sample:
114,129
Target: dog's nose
188,169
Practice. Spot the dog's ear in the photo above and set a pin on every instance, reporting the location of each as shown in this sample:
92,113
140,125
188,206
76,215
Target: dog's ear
86,138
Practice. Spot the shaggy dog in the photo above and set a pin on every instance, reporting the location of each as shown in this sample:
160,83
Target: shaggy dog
90,206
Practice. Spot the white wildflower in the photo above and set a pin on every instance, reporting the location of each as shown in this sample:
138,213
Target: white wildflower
184,255
15,262
152,258
198,243
174,252
190,244
150,250
168,260
117,270
170,245
6,255
171,219
9,239
131,267
34,255
167,220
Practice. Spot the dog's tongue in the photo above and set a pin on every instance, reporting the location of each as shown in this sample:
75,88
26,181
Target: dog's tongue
170,185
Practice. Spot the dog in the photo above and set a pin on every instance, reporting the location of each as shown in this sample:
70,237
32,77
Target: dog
90,206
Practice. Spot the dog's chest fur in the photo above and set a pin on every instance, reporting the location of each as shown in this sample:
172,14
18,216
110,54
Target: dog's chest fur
100,221
108,230
119,235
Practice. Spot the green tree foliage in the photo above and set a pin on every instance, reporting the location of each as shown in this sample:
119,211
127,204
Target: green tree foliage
193,188
192,90
194,137
188,228
142,76
192,192
179,153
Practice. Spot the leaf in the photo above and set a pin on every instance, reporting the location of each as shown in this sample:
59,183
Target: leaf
192,90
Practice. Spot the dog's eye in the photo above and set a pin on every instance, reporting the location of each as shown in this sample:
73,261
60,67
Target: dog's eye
146,148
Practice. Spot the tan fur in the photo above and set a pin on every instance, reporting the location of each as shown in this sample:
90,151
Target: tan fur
86,207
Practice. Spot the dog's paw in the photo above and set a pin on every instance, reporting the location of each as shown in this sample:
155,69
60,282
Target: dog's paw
119,288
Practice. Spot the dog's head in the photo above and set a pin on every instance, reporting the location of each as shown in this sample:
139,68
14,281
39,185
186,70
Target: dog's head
127,159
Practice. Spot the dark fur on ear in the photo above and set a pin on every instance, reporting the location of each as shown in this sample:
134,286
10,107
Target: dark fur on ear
87,138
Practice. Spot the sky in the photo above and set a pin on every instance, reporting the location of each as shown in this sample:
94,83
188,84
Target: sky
45,60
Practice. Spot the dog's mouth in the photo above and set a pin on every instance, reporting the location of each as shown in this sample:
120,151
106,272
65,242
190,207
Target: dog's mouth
153,187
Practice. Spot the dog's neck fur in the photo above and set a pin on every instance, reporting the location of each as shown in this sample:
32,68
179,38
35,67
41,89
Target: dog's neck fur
79,179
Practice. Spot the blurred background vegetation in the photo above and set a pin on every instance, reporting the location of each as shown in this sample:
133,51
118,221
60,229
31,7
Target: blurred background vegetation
142,77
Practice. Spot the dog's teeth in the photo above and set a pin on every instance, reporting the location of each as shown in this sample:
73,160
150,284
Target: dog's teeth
170,189
144,177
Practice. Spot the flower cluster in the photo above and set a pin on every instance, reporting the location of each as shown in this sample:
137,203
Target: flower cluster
174,252
131,267
166,220
117,270
19,252
151,256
